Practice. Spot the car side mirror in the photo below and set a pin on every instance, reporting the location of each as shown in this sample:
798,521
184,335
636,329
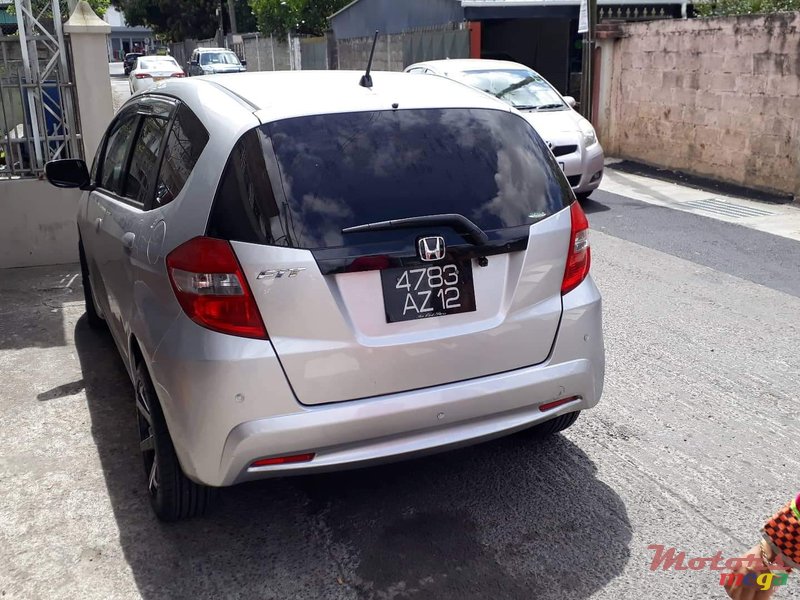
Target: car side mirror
193,63
244,63
68,173
570,100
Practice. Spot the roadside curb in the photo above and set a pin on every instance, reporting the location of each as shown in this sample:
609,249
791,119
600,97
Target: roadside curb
699,182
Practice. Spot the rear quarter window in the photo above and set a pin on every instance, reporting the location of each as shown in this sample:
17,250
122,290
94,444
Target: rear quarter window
186,141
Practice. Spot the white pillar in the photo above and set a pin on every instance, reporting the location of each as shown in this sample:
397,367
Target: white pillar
88,34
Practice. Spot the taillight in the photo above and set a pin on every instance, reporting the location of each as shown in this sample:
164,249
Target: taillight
212,289
181,74
579,256
143,76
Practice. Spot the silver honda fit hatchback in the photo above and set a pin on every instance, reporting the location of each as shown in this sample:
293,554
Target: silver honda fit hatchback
303,274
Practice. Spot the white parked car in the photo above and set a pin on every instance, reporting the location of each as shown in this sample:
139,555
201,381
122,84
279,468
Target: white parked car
571,138
148,70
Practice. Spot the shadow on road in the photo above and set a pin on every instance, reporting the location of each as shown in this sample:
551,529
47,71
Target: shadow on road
590,206
506,519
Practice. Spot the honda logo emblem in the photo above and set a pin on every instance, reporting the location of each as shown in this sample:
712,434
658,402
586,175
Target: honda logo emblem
431,248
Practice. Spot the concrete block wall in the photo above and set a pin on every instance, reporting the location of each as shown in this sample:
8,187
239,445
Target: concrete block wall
354,53
264,53
716,97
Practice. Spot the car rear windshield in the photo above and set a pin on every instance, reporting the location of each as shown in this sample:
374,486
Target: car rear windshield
330,172
157,64
218,58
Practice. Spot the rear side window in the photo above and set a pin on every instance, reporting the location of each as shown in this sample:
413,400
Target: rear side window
144,162
119,141
336,171
185,143
245,208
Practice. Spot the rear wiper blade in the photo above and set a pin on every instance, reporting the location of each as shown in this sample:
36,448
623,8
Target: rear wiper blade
459,223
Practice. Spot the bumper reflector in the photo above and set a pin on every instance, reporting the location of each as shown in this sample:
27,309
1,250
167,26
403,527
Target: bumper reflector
557,403
283,460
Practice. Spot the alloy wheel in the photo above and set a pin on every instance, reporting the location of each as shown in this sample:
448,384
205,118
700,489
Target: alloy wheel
147,440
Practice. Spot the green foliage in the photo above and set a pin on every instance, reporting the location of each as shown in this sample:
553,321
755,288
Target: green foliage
177,20
721,8
38,6
245,19
280,17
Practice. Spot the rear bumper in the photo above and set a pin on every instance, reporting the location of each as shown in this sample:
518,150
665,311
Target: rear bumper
226,410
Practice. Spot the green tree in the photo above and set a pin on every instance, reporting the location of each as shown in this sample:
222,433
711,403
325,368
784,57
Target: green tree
177,20
38,6
296,16
717,8
245,19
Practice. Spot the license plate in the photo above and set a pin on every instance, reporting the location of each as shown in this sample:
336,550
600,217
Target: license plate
425,292
158,78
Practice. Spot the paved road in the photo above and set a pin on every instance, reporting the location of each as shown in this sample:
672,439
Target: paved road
120,88
693,444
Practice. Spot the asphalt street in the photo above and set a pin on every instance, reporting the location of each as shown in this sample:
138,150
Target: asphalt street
692,445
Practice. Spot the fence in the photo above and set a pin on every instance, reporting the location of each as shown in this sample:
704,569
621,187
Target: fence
314,53
394,52
38,117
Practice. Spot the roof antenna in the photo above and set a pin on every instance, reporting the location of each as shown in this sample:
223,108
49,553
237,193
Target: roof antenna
366,78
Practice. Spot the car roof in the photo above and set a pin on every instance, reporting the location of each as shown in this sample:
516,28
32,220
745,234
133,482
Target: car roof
214,50
275,95
470,64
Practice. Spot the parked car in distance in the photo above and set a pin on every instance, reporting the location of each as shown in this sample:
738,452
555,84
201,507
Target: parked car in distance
210,61
571,138
299,285
149,70
128,61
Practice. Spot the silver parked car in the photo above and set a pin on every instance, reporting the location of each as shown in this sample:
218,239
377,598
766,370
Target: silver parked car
210,61
299,285
571,138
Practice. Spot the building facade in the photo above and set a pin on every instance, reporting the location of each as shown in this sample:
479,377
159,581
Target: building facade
124,39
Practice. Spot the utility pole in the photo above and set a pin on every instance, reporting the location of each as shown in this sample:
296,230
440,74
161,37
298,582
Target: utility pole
586,26
232,15
221,24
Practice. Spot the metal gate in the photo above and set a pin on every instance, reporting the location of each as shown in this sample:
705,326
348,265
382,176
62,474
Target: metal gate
314,53
38,105
435,44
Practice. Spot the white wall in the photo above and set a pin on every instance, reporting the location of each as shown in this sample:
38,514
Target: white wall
38,225
114,18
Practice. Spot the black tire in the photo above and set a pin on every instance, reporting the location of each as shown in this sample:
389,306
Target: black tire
583,196
553,426
173,496
93,318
